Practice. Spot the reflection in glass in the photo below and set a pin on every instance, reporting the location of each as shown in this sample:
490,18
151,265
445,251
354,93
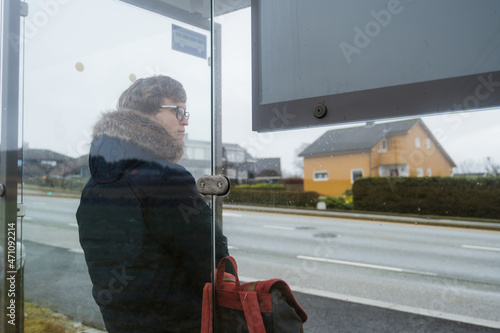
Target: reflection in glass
140,215
78,62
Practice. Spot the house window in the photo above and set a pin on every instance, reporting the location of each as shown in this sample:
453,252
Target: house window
382,146
231,173
200,153
429,172
417,142
428,143
235,156
420,172
197,153
355,174
49,163
320,176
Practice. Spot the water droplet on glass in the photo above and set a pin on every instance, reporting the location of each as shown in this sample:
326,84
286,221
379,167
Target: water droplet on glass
79,67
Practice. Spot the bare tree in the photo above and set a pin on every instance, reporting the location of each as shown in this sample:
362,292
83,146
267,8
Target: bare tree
467,166
492,168
299,161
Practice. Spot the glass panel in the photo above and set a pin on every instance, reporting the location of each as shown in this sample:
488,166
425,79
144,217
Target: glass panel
364,220
11,249
141,229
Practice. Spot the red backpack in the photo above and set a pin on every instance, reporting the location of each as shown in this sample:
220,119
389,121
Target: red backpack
255,307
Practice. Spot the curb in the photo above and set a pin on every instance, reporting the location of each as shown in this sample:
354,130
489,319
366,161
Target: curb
374,217
481,225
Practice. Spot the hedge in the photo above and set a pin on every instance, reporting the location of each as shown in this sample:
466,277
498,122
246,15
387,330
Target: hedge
274,197
338,202
445,196
67,183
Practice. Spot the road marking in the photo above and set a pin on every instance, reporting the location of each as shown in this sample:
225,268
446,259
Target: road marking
386,305
474,247
232,214
278,227
74,250
358,264
229,247
73,225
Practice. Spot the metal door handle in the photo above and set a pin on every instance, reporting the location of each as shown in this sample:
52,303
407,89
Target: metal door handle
213,185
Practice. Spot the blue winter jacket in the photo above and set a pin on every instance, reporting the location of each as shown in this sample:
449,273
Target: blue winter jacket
144,229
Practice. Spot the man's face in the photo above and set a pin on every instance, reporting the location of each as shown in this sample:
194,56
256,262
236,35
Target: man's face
167,118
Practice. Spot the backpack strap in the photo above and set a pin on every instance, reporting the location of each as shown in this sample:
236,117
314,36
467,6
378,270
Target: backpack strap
251,309
207,310
221,269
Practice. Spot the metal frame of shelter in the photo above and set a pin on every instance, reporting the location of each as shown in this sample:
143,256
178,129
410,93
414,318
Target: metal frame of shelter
197,13
200,14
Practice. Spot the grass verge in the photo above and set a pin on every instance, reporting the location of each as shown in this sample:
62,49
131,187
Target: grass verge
38,319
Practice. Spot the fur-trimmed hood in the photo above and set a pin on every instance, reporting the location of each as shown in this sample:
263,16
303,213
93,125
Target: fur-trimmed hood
127,135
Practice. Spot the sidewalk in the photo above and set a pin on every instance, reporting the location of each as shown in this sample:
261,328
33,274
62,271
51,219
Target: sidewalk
48,193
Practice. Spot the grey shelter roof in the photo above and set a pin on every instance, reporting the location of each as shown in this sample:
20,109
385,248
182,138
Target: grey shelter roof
359,138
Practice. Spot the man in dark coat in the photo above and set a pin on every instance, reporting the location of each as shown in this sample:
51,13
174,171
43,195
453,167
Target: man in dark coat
144,228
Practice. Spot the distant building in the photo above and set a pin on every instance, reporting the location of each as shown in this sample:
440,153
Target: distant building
237,164
197,156
403,148
78,167
42,162
268,170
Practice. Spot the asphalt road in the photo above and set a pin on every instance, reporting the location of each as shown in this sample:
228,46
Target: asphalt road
441,271
350,276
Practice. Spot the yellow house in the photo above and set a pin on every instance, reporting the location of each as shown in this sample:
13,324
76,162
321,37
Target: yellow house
403,148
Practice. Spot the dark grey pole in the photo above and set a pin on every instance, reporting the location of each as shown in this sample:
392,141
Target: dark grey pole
217,114
11,300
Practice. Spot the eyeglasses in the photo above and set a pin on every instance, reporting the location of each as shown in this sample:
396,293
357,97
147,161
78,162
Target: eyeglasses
180,113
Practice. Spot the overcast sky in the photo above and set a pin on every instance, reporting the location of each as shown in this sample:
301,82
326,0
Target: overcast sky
80,55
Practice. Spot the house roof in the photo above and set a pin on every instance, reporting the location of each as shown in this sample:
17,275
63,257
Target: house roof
191,143
43,155
359,138
63,169
233,146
